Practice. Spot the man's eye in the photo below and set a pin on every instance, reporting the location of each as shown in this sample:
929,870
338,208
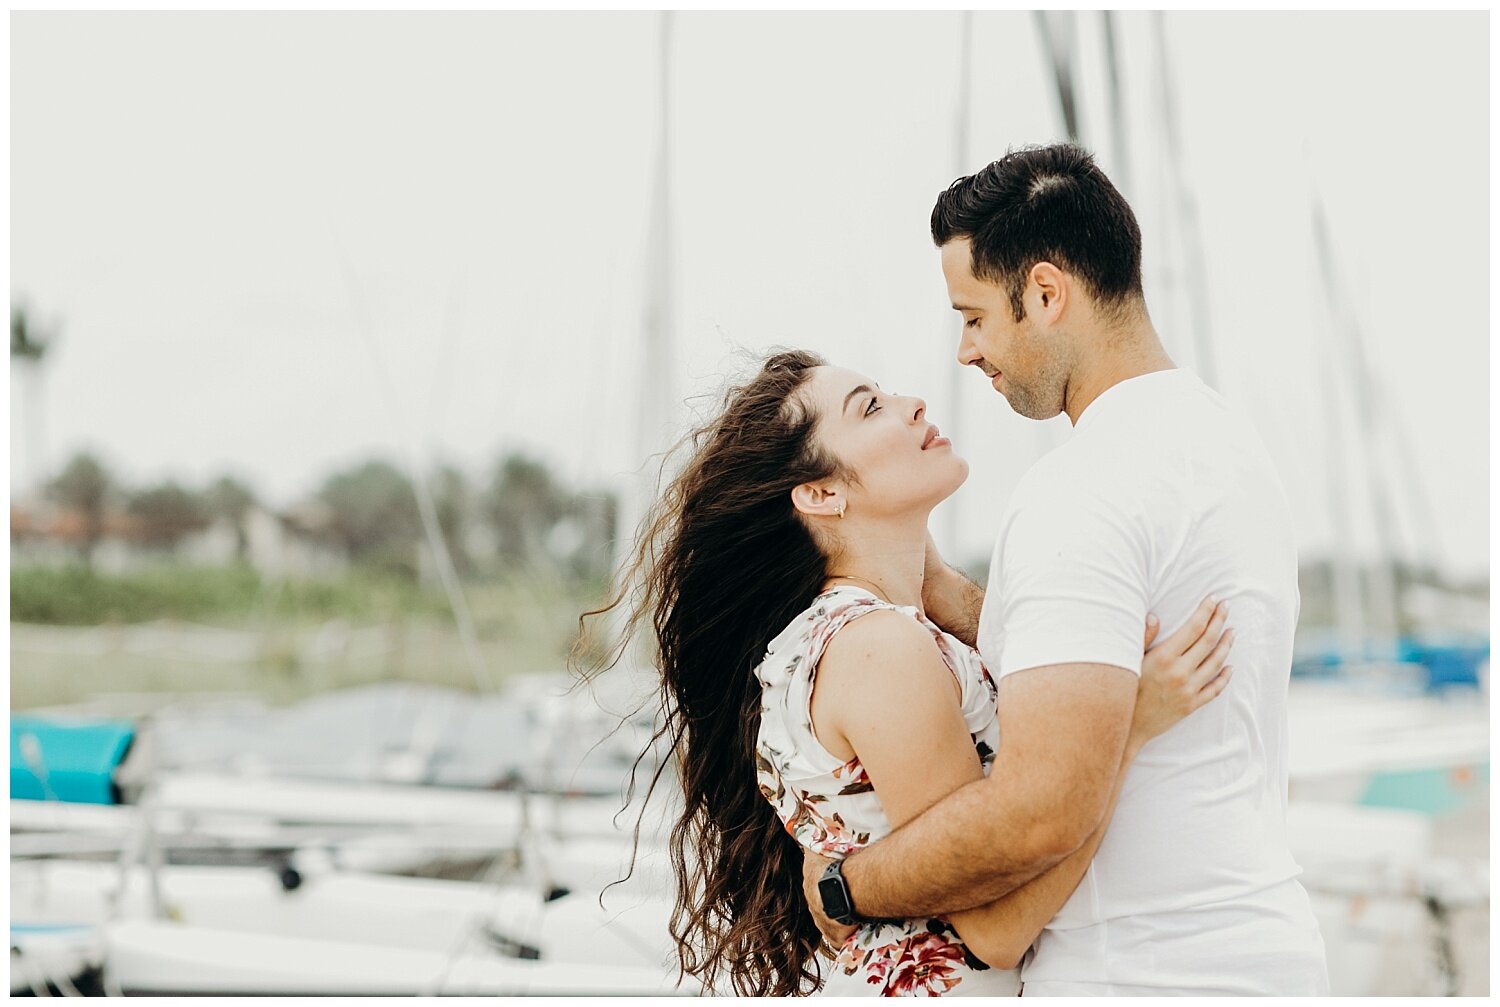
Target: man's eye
971,323
871,407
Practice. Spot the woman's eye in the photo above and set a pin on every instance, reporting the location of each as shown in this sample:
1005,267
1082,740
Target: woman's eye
871,407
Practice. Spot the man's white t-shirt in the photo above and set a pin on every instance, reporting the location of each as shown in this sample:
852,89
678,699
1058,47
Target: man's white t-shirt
1163,496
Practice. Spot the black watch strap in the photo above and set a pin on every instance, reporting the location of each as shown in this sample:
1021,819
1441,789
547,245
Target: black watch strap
837,905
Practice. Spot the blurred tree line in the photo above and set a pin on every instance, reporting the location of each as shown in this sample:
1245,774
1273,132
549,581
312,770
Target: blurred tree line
521,518
89,547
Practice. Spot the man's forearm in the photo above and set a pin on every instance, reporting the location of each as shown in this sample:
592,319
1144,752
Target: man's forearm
1063,730
953,601
957,855
1001,932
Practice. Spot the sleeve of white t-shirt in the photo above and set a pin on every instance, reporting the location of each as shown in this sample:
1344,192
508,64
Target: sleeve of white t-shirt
1069,577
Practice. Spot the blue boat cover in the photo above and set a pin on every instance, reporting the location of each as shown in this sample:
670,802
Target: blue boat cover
1448,660
78,758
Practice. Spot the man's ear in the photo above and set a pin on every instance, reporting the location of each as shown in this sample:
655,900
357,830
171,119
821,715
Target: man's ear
819,499
1048,285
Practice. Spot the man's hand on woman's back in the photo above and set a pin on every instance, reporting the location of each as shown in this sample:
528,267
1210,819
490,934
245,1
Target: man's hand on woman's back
949,598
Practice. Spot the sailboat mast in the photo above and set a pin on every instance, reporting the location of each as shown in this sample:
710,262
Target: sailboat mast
1059,35
1181,197
1120,169
962,110
1348,592
1348,343
655,386
657,363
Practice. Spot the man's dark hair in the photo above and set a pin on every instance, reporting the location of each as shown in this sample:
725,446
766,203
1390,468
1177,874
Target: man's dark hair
1048,204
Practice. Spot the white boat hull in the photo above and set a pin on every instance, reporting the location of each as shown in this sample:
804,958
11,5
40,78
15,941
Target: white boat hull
146,958
394,912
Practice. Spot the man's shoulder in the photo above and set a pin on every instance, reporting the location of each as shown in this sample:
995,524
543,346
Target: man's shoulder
1054,471
1148,454
1080,472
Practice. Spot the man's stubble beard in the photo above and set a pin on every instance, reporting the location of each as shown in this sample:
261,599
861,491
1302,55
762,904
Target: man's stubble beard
1045,394
1032,408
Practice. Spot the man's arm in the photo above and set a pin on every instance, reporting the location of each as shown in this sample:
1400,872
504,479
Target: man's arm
1062,736
1074,601
950,599
1184,673
1001,932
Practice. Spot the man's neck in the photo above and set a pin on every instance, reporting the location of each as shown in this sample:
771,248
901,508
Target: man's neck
1116,355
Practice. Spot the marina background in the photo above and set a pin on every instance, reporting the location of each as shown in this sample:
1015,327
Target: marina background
296,298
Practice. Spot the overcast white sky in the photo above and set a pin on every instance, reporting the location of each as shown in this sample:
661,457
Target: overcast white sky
233,217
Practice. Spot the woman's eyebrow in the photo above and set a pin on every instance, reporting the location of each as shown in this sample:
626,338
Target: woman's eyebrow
857,389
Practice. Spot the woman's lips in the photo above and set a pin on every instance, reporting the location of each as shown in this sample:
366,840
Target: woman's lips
934,439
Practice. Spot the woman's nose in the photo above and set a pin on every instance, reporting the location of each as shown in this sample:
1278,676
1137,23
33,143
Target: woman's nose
919,409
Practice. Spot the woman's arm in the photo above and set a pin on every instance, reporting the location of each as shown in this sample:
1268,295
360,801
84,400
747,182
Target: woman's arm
1179,676
883,692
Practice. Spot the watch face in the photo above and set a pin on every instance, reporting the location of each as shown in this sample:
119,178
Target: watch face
835,899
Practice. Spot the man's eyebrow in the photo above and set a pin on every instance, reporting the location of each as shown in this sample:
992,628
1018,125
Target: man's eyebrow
857,389
965,307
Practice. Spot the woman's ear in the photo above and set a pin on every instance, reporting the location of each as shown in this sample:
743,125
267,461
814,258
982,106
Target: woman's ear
818,499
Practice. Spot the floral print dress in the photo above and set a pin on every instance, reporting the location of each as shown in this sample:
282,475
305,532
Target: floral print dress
829,806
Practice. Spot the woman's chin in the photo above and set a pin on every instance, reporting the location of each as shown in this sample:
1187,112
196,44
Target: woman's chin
959,478
963,473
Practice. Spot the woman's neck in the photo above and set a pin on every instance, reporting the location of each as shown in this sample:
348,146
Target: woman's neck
888,560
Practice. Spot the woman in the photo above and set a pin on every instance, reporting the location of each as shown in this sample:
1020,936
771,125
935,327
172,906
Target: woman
788,554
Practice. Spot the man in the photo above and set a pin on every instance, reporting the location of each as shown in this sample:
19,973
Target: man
1164,495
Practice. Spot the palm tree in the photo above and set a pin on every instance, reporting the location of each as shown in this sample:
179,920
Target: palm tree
85,486
453,501
374,515
523,504
28,348
167,513
231,500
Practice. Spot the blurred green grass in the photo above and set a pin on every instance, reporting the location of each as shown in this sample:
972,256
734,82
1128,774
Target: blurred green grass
77,635
75,596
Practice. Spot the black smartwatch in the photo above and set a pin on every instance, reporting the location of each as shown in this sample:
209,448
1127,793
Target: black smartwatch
837,905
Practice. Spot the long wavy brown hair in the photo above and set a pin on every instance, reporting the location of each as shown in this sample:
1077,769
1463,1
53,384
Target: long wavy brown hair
722,564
